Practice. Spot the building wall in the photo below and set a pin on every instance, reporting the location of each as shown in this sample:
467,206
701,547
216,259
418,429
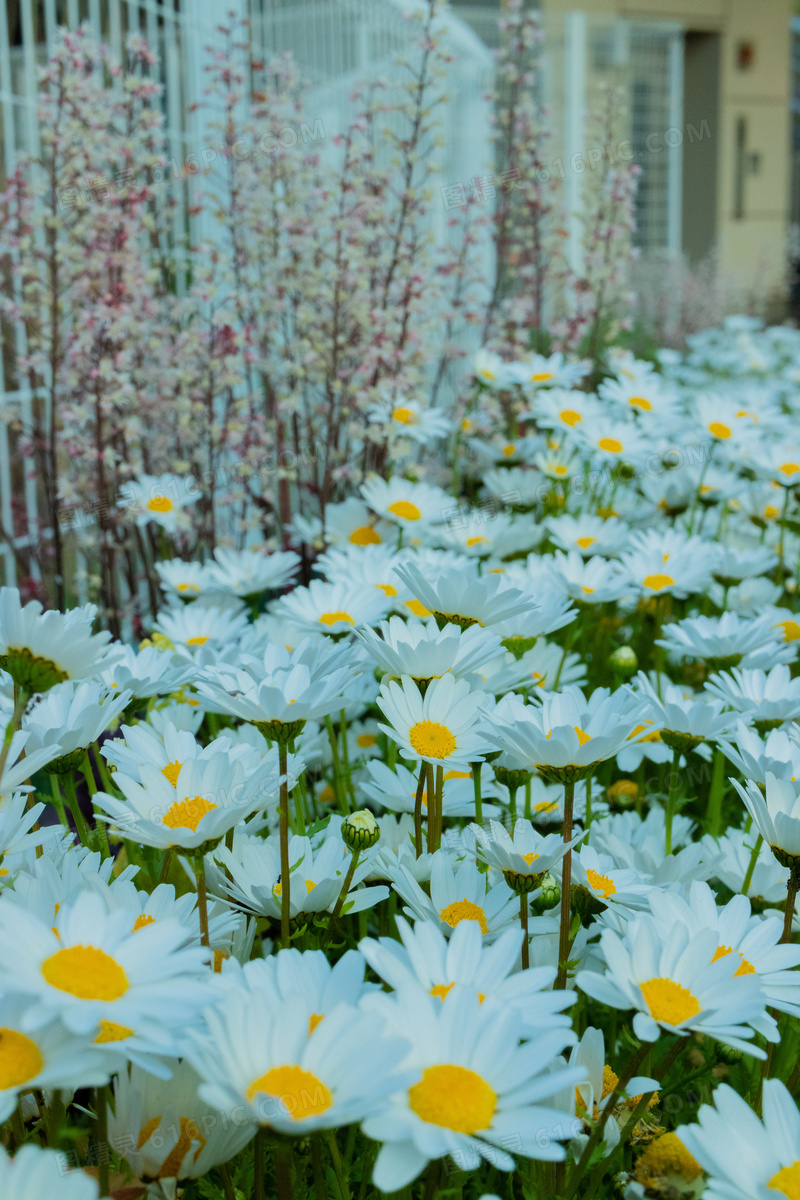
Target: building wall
748,179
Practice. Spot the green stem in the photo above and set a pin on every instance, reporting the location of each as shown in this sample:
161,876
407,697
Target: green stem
512,806
566,888
283,1171
55,1118
283,760
716,792
202,899
476,786
259,1148
341,794
227,1184
165,867
346,756
20,703
438,807
58,801
338,1169
588,817
431,790
418,809
317,1167
299,794
75,809
528,800
672,799
348,879
751,866
596,1136
101,1137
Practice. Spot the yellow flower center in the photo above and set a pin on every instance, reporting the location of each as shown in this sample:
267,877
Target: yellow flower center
545,806
187,587
667,1157
477,541
570,417
327,795
86,972
387,589
541,377
587,591
197,641
464,910
656,582
336,618
669,1001
719,430
640,402
610,1081
453,1097
440,990
531,857
142,921
366,740
600,883
313,1022
160,504
612,445
108,1031
303,1094
406,416
586,542
20,1059
583,737
791,630
787,1181
432,740
560,469
789,468
171,771
405,510
418,608
278,888
509,450
457,775
744,968
365,535
187,814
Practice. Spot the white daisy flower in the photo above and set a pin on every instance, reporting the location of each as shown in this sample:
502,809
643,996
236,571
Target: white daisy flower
588,534
424,957
39,649
299,1078
424,651
144,673
165,1131
74,715
91,965
248,573
184,805
765,697
440,727
475,1089
462,894
588,580
729,639
397,789
754,756
33,1173
521,852
331,608
184,580
776,812
189,628
672,982
251,876
766,1164
411,506
608,884
692,718
158,498
464,597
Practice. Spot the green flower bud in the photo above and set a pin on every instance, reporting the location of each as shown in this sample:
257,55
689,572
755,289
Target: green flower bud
360,830
624,662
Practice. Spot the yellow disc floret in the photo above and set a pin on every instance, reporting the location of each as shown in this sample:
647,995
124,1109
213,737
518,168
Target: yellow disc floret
453,1097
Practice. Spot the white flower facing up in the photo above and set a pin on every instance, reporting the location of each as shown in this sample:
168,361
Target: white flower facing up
158,498
39,649
397,789
765,697
609,884
778,753
440,727
766,1162
424,957
166,1130
144,673
34,1173
73,715
92,966
693,718
198,804
522,852
425,652
251,878
461,894
48,1057
463,597
288,1073
248,573
286,687
729,640
331,608
411,506
673,983
475,1090
193,630
567,734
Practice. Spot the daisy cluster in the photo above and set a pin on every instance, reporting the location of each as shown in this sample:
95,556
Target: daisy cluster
460,837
